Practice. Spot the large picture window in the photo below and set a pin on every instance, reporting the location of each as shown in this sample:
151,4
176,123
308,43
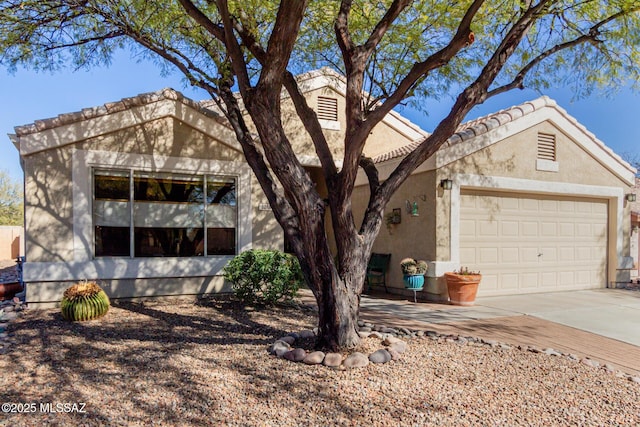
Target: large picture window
150,214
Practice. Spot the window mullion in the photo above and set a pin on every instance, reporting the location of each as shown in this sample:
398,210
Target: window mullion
204,221
131,216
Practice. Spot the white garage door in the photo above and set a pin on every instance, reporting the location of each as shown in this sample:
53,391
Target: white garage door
527,243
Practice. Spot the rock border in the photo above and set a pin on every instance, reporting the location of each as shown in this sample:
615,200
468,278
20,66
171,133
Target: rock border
9,311
394,345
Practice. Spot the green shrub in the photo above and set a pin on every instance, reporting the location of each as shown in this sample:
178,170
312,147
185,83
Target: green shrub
264,276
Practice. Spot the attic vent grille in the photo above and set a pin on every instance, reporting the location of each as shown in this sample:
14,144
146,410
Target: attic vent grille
327,108
546,146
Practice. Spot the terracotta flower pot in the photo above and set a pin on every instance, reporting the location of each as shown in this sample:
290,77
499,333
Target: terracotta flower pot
462,288
9,290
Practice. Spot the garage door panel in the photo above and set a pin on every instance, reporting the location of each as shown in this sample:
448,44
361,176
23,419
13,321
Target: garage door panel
527,243
488,228
510,228
566,229
549,229
510,255
509,281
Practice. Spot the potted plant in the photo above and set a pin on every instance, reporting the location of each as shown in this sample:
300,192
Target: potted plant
413,273
462,286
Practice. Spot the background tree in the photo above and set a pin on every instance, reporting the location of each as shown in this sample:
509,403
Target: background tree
633,159
11,204
390,52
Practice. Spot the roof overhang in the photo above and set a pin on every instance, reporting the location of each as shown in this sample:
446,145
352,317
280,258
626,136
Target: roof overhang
484,132
93,122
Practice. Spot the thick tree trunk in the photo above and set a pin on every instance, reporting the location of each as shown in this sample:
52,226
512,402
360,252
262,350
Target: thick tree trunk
338,316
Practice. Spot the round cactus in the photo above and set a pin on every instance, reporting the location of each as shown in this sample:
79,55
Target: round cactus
84,301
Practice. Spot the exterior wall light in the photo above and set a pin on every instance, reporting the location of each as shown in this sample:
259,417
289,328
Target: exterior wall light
631,197
446,184
412,208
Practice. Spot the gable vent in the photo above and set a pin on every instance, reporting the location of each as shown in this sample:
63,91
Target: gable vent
546,146
327,108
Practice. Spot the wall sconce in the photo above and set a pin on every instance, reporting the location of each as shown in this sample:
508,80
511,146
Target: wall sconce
396,216
631,197
412,208
446,184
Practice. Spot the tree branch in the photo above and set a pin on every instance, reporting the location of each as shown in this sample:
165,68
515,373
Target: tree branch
590,37
474,94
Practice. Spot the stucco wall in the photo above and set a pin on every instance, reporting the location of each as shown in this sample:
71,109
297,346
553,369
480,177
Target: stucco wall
514,157
50,203
414,236
382,139
48,206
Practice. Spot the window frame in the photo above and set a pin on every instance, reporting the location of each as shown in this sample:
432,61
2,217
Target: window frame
132,174
81,262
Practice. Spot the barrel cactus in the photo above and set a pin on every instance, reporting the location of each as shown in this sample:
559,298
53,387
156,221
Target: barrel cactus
84,301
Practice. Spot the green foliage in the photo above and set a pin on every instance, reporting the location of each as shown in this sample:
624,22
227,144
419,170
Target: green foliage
264,276
11,204
410,266
84,301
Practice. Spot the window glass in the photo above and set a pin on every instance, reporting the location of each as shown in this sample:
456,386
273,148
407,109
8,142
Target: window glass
168,214
111,213
168,188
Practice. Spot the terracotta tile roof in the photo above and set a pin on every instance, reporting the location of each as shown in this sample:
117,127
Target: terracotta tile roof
114,107
479,126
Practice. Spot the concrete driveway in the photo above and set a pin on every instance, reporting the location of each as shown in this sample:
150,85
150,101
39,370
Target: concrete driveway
612,313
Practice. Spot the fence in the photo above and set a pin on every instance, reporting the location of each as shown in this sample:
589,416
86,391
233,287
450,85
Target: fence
11,242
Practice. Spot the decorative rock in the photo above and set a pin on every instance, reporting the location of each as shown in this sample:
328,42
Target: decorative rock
332,360
364,334
590,362
376,334
420,333
573,357
462,341
368,324
431,333
534,350
380,356
361,323
356,360
635,379
295,355
404,331
279,348
398,346
394,354
10,315
307,333
505,347
390,340
364,329
314,358
551,352
289,339
389,331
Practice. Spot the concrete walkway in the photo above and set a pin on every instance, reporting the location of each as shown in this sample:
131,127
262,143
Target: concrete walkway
603,325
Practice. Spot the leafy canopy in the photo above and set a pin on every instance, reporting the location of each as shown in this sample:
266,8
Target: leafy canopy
50,35
11,204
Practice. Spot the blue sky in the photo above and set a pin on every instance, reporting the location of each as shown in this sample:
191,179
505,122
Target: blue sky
28,96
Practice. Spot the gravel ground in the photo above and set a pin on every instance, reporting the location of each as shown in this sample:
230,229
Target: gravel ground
204,364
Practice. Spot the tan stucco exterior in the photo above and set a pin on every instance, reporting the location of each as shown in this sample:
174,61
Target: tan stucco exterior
167,132
495,165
